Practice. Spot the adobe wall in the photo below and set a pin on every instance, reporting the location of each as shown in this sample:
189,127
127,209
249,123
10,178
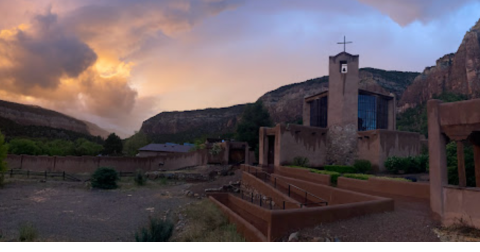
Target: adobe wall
302,174
250,232
377,145
286,221
251,219
461,204
381,187
88,164
300,141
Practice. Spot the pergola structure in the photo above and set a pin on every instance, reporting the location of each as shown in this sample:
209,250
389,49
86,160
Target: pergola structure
459,122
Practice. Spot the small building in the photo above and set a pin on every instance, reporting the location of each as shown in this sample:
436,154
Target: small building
152,150
349,121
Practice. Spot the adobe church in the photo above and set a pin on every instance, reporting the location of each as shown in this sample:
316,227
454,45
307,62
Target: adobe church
340,125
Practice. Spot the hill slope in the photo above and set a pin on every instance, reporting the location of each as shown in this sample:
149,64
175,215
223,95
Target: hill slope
456,73
33,121
285,104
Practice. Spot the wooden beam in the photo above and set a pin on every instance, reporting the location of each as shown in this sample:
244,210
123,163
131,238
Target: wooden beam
462,177
477,164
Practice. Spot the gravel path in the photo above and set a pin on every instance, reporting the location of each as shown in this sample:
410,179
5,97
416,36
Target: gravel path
410,222
71,212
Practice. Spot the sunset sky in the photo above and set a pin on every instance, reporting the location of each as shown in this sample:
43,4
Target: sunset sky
118,62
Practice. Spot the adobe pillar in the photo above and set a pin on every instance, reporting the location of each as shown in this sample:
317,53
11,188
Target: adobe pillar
437,158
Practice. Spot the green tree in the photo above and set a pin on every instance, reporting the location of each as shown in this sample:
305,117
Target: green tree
135,142
24,146
113,145
83,147
3,157
254,116
57,148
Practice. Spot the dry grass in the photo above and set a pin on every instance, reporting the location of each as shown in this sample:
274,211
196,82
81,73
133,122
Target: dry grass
28,233
459,232
206,223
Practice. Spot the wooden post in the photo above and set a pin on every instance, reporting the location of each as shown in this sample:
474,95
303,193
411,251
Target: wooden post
462,177
477,164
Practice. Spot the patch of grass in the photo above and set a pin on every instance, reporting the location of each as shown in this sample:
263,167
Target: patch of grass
27,233
357,176
340,168
157,230
395,179
333,175
206,223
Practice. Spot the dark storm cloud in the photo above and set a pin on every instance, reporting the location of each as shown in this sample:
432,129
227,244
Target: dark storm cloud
43,54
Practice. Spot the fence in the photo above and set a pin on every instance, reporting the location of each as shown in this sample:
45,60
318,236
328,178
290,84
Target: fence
45,174
294,192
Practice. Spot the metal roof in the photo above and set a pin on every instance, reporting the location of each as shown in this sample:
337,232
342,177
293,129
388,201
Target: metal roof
166,148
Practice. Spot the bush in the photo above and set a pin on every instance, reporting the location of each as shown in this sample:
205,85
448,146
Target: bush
363,166
416,164
340,168
358,176
28,233
333,175
157,231
301,161
140,178
105,178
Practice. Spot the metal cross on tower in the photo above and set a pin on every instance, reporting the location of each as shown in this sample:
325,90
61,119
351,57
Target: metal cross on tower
345,43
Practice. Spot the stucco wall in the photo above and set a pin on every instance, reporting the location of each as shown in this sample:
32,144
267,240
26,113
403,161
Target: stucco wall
377,145
381,187
294,141
88,164
461,203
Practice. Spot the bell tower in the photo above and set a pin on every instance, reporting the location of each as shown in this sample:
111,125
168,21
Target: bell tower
342,108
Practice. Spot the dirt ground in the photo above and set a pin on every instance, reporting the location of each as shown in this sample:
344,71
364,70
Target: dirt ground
410,222
71,211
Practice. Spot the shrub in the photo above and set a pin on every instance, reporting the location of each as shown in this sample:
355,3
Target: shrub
28,233
333,175
105,178
340,168
363,166
216,149
416,164
157,231
358,176
140,178
301,161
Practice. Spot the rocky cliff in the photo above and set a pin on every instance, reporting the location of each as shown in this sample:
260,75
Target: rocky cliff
34,115
285,104
457,73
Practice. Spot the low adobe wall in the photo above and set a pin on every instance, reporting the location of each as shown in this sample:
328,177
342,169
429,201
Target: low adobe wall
461,203
249,231
302,174
275,224
334,196
378,186
88,164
